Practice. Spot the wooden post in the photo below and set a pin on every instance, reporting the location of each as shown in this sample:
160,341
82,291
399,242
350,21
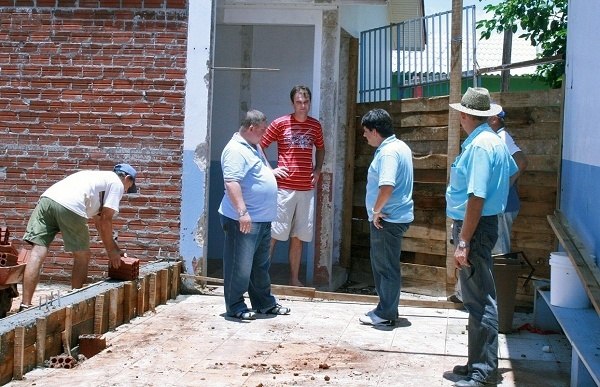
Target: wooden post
19,353
506,59
453,122
152,292
127,288
99,314
40,343
352,123
113,308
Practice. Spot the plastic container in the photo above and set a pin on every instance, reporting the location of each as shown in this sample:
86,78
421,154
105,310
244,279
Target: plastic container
566,289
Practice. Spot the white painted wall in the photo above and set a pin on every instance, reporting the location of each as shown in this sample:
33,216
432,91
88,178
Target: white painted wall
195,144
580,174
357,18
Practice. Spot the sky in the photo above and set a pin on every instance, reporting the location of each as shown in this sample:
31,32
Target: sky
489,52
435,6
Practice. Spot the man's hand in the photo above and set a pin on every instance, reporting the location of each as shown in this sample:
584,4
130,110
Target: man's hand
245,223
461,257
316,175
377,220
281,172
114,258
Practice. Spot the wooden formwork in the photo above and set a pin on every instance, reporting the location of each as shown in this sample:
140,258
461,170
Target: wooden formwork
533,119
30,337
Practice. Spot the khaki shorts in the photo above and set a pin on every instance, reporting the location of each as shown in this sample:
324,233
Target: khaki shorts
295,213
48,218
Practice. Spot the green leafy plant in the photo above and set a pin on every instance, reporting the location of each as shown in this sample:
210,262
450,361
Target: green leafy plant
542,22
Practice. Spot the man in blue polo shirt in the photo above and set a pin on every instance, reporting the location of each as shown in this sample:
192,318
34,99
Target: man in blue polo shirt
479,183
247,210
390,209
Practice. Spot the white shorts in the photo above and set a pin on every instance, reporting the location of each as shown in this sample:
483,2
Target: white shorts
295,213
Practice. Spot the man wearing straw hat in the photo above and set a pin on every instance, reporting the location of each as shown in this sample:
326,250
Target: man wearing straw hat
479,183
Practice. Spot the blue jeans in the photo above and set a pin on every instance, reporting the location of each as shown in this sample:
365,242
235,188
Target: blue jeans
246,267
386,246
479,298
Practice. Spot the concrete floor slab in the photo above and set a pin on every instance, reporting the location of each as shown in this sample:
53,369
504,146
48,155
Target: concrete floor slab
190,342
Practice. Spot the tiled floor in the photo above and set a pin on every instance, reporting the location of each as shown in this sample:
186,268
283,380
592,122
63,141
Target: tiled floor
189,342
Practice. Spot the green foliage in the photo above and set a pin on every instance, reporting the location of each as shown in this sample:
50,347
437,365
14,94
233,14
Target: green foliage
542,22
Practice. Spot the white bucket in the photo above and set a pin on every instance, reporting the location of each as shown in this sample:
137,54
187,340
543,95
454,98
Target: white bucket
566,289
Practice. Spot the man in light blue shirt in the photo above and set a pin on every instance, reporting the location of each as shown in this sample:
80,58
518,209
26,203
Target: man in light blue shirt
390,209
247,210
479,183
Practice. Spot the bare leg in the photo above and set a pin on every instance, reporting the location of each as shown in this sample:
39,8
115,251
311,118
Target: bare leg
80,268
295,256
32,272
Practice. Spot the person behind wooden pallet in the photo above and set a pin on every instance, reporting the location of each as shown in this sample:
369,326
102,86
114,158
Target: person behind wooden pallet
513,204
476,194
66,207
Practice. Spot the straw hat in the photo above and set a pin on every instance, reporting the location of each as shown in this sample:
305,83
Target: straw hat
477,102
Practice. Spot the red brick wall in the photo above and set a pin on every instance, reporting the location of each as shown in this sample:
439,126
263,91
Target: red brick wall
85,84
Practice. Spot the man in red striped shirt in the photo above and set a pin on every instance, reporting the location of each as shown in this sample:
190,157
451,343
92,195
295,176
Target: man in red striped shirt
296,135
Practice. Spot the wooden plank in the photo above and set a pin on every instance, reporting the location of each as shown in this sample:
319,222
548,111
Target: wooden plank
68,328
40,343
364,298
141,294
428,246
423,272
164,286
352,120
99,314
419,134
19,353
175,282
430,161
113,305
127,302
544,163
152,292
285,290
424,232
204,278
586,268
530,193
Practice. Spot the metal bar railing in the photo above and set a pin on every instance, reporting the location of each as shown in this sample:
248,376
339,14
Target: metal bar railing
412,58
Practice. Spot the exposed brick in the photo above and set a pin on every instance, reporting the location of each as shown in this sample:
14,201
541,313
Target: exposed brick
86,84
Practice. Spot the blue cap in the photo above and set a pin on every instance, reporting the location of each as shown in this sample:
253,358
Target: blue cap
129,171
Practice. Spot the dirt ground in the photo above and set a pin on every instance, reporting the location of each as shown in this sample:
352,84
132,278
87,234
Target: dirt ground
190,342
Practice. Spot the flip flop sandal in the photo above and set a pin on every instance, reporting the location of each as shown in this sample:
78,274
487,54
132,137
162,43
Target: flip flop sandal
245,315
278,310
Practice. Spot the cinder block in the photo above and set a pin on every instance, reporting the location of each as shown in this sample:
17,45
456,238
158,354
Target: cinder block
90,345
128,271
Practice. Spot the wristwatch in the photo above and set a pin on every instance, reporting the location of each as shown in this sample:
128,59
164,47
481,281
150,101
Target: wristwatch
463,244
243,212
